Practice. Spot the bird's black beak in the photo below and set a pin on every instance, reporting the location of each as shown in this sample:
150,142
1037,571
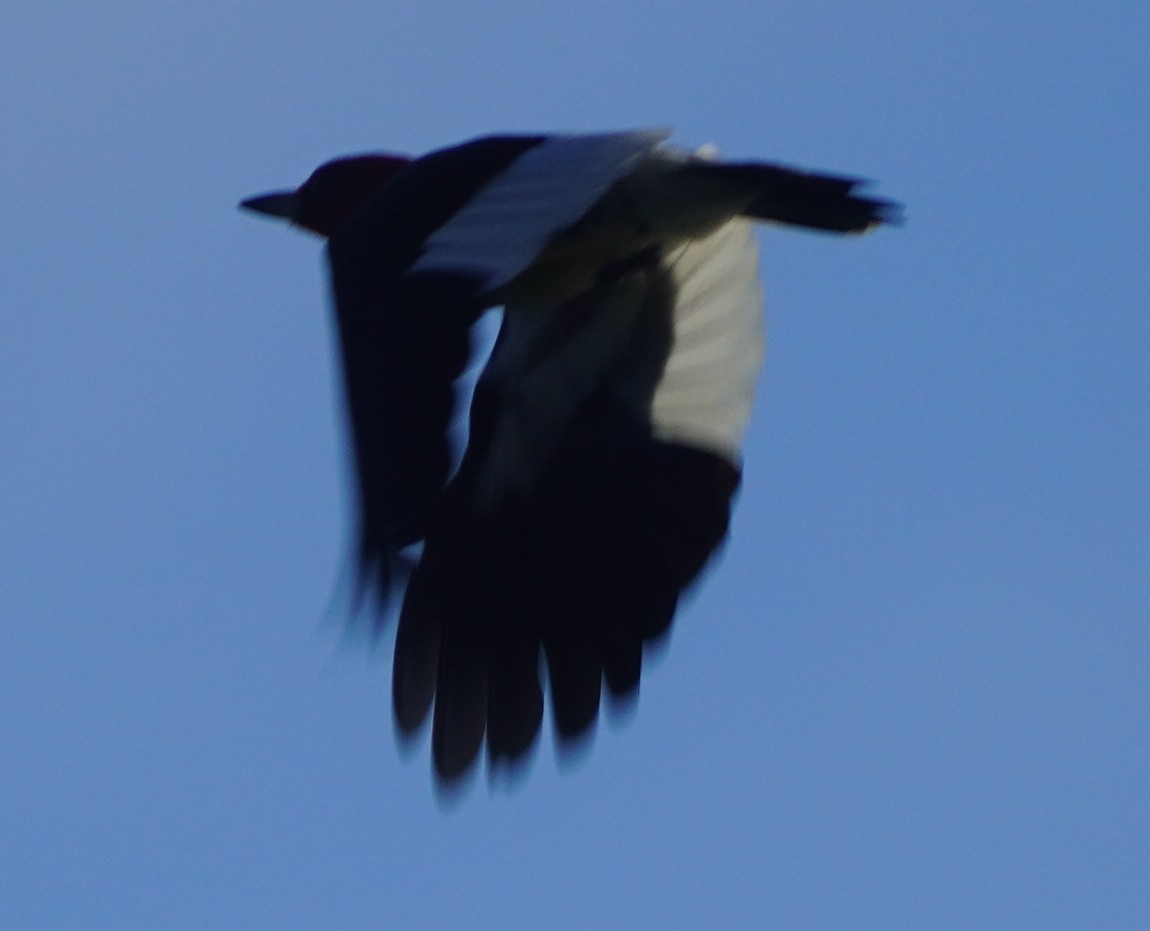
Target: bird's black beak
277,204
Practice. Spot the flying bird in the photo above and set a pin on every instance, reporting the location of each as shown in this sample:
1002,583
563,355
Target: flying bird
603,449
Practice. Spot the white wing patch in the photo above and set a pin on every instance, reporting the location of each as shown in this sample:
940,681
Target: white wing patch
501,231
704,397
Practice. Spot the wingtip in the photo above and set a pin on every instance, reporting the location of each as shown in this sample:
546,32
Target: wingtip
897,217
880,211
889,213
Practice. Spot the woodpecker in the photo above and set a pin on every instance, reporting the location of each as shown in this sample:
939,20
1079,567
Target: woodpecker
603,450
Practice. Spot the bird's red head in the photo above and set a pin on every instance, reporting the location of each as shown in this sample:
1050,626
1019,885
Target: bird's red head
333,191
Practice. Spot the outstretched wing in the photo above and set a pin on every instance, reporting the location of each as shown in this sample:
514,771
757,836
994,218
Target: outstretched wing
411,270
404,340
584,558
402,350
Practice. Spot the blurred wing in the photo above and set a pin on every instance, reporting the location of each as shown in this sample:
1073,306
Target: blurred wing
584,560
404,340
402,352
408,271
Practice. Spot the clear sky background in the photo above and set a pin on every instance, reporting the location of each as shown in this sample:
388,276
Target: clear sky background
913,693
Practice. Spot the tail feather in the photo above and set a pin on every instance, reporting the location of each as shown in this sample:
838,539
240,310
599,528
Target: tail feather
809,199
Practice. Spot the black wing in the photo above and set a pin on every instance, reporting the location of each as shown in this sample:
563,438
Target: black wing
585,564
402,349
589,569
404,340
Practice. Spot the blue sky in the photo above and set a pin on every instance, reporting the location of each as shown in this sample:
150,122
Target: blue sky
914,691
